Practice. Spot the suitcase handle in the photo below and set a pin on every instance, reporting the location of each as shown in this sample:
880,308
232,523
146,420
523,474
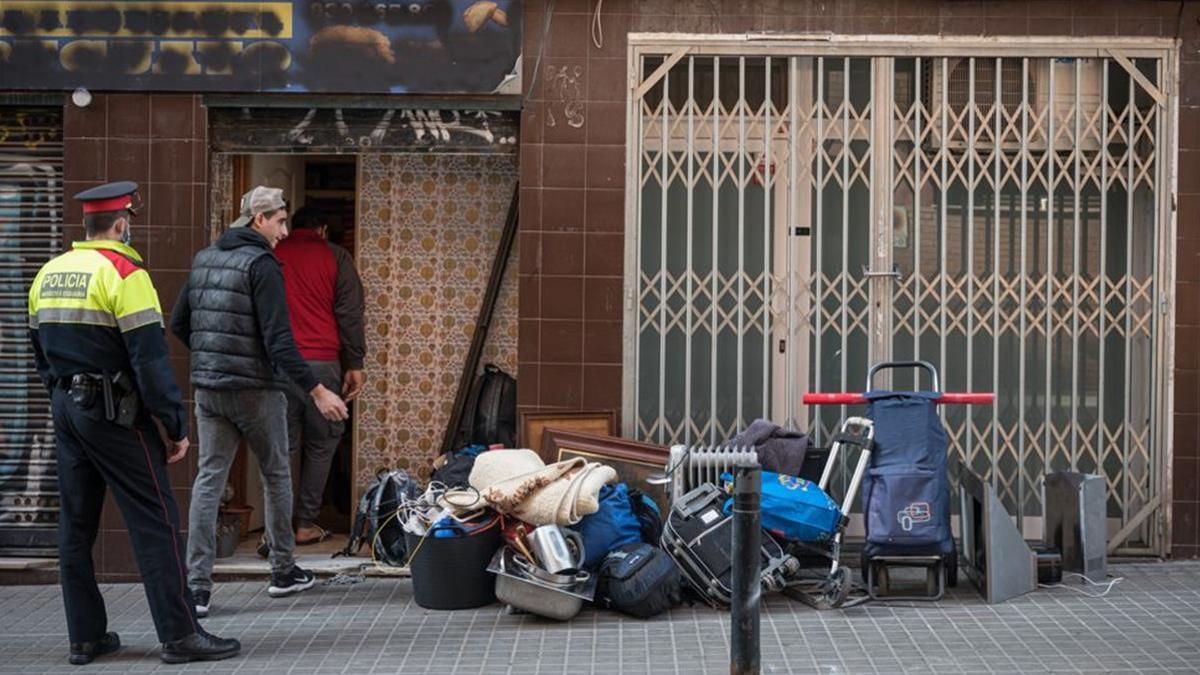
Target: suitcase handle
697,500
902,364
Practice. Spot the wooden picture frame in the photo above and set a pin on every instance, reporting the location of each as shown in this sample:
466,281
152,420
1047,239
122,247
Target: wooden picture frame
532,424
634,461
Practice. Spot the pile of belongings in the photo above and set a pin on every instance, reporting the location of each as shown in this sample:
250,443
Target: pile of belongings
574,534
501,524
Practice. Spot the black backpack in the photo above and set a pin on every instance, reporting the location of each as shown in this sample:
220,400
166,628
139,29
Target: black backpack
491,410
639,580
374,516
649,518
453,469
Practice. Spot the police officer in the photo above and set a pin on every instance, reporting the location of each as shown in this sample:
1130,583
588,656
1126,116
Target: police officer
97,333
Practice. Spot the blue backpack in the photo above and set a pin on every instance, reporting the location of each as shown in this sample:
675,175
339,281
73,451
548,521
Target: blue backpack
612,526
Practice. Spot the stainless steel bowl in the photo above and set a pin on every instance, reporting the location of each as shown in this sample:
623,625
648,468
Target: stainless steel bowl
516,588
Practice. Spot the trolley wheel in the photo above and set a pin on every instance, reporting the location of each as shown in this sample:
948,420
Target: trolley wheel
952,571
837,588
863,563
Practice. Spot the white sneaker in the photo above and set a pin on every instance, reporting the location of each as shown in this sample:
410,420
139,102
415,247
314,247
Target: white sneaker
202,599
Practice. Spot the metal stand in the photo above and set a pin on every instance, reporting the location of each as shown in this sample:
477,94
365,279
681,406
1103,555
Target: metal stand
879,584
1076,522
997,558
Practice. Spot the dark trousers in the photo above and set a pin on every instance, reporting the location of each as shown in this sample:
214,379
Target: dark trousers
314,441
94,454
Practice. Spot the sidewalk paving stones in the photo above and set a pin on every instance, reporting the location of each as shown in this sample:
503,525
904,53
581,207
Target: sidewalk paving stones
1150,622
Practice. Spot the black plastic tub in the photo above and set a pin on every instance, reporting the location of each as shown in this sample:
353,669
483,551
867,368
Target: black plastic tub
451,572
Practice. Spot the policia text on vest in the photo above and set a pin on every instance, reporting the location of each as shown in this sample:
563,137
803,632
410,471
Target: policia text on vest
65,285
97,332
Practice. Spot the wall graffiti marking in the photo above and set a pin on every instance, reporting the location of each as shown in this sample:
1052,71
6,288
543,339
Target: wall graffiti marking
434,123
564,85
343,129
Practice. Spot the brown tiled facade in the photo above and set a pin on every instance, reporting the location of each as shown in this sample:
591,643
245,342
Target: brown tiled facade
572,176
571,274
160,141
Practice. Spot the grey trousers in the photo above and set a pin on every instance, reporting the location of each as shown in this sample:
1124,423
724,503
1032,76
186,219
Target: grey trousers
315,440
223,418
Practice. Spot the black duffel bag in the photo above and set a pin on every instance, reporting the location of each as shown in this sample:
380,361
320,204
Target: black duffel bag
639,580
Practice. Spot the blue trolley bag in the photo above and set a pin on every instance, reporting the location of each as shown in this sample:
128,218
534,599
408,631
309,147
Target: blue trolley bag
906,490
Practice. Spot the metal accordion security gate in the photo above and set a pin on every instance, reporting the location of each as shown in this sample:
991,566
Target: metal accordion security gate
31,218
797,210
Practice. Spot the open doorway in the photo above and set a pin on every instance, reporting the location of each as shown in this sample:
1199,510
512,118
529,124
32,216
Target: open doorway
328,186
430,193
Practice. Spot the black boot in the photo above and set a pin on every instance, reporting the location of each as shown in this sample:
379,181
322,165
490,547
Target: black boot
82,653
199,646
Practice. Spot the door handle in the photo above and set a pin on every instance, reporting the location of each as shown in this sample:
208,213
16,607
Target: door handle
894,273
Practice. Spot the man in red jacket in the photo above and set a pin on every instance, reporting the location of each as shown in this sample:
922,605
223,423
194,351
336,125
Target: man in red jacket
325,303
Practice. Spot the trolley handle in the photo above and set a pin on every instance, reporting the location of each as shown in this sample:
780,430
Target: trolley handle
902,364
848,398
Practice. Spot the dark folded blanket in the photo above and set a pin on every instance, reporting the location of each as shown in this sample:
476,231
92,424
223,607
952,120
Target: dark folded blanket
779,450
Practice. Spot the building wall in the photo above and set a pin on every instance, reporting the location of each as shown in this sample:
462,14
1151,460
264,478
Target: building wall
159,141
428,227
572,175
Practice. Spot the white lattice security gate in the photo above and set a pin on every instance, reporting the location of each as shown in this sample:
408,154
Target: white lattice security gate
797,211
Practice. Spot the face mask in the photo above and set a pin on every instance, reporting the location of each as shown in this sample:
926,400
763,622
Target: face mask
127,235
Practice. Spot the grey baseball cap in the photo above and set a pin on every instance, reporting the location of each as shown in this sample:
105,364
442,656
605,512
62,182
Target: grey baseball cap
259,200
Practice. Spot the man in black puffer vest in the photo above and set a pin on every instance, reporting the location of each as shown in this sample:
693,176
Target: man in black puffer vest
233,316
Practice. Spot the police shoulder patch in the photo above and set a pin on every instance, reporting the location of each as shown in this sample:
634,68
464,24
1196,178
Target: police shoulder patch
124,264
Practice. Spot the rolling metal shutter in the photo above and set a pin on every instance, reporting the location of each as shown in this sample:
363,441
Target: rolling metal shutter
31,214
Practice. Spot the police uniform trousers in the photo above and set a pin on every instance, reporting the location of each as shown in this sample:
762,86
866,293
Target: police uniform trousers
94,453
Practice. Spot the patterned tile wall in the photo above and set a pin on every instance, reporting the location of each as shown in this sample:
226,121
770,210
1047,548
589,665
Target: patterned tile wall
428,227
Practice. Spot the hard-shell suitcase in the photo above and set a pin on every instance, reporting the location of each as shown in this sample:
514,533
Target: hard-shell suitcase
698,535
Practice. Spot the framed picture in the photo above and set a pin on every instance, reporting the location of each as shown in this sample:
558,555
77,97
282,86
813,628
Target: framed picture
633,461
532,424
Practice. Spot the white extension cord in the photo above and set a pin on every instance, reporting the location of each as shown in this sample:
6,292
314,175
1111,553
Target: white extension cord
1108,585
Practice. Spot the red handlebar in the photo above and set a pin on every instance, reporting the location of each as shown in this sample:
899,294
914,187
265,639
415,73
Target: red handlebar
858,399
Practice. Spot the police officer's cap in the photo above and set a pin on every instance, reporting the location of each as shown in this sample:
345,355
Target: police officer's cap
118,196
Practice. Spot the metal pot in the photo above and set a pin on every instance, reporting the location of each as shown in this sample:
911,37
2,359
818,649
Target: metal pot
565,580
557,549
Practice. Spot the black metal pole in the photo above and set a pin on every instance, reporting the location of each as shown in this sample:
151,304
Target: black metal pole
747,561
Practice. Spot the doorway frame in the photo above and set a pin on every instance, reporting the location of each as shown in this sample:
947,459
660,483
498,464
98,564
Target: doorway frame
239,471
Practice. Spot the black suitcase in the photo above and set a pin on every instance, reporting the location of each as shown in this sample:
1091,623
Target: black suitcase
698,535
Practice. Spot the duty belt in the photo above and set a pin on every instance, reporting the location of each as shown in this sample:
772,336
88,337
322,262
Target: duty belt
117,392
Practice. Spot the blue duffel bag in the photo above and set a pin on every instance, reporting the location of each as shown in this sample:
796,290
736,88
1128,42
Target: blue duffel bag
794,508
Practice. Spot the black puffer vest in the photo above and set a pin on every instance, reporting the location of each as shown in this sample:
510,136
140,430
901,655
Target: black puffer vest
226,343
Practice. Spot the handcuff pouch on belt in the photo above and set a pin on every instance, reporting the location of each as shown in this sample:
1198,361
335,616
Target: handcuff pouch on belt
117,393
